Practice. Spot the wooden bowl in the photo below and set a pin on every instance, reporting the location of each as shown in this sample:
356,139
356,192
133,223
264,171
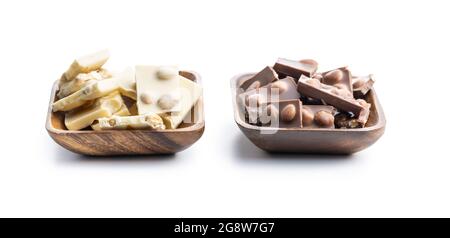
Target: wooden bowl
315,140
128,142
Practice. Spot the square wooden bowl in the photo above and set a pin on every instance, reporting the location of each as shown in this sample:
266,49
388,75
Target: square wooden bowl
314,140
128,142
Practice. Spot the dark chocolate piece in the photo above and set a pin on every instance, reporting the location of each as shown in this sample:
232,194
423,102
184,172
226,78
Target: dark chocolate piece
318,116
281,114
339,97
340,77
362,85
264,77
294,69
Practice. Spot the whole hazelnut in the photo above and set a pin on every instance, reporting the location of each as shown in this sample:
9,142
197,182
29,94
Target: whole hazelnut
145,98
112,122
333,77
288,113
313,82
307,117
324,119
166,72
311,62
166,102
357,83
280,85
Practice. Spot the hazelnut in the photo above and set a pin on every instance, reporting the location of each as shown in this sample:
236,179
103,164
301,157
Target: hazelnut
333,77
280,85
253,86
269,114
324,119
253,100
145,98
307,117
112,122
311,62
166,102
288,113
313,82
166,72
358,83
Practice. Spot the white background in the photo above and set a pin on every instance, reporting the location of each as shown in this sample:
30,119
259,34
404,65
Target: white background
404,43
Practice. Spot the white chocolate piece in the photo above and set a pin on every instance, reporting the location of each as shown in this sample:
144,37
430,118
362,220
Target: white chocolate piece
154,83
81,80
149,121
122,82
102,107
190,93
86,64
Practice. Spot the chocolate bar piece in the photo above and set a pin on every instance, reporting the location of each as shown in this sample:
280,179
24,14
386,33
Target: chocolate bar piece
283,89
341,98
346,120
340,78
281,114
318,116
294,68
362,85
264,77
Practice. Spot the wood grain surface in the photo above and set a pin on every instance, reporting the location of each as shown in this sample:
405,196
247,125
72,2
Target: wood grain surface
128,142
311,140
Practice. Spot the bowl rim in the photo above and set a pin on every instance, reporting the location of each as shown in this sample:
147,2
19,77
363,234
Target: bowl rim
234,86
196,126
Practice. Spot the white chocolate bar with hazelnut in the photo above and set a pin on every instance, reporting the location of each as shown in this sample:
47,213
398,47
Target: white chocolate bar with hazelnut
149,121
81,80
157,89
102,107
86,64
190,93
123,82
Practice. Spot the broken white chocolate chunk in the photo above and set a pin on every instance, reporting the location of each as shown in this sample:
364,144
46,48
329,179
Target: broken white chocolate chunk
157,89
86,64
81,80
102,107
123,82
147,121
190,93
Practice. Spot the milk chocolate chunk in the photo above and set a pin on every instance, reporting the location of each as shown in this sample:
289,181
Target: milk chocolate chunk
362,85
282,114
347,120
341,78
331,95
318,116
283,89
264,77
294,68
